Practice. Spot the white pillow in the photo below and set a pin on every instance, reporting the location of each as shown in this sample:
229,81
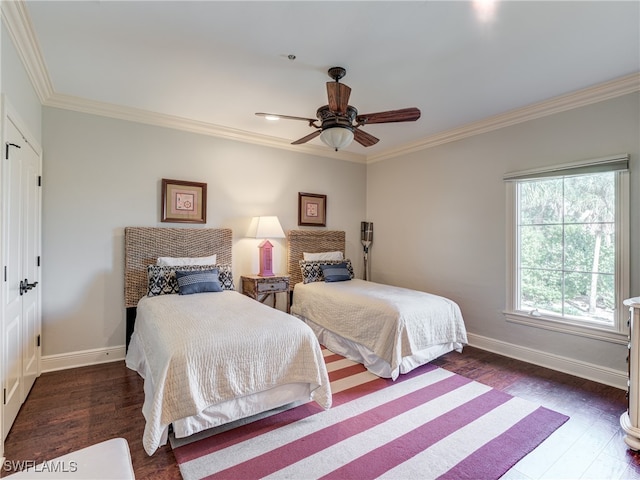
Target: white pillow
182,261
322,256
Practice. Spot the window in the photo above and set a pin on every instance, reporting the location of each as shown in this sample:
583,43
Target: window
568,256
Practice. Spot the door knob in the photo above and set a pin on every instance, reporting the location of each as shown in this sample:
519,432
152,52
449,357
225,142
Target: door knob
26,286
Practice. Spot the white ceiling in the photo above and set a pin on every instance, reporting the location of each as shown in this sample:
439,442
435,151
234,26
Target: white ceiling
216,63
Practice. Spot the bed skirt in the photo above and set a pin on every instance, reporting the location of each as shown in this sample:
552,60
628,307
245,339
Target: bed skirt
376,365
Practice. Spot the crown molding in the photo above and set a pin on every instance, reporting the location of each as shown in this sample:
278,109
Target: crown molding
604,91
20,28
18,22
68,102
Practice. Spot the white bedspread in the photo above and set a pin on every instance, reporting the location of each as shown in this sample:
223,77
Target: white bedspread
207,348
392,322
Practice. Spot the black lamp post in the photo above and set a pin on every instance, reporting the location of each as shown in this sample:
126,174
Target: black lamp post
366,237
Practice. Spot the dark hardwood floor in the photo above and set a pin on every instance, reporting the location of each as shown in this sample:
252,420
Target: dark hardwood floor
589,446
72,409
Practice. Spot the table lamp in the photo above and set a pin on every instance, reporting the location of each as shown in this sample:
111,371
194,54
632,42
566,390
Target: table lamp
265,227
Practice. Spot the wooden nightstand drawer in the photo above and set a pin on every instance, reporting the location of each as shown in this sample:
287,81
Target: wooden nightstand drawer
280,286
261,288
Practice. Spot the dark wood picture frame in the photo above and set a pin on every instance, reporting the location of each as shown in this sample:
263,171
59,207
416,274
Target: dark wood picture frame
183,202
312,209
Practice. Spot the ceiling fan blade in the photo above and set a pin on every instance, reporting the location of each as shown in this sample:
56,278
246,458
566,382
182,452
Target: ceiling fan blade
363,138
403,115
338,95
286,117
311,136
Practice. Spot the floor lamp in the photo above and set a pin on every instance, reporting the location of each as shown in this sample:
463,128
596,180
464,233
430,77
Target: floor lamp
366,237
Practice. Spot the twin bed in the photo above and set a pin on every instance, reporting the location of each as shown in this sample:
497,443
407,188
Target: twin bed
391,330
214,356
211,357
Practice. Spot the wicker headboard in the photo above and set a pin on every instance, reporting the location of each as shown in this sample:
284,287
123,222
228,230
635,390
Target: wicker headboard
310,241
143,246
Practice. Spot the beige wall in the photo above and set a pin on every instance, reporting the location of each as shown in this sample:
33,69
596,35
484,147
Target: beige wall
102,174
439,216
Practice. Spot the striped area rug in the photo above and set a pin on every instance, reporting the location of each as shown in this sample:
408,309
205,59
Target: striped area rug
430,423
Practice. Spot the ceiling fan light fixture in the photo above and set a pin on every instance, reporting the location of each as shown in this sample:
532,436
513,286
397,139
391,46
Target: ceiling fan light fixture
337,137
339,122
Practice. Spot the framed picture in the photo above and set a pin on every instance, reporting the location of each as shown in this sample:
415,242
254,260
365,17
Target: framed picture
312,209
184,202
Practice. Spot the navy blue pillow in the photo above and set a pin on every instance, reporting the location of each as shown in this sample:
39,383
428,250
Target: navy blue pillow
190,282
335,273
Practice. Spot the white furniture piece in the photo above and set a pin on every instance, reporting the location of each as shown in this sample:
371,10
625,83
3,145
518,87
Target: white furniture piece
629,419
110,459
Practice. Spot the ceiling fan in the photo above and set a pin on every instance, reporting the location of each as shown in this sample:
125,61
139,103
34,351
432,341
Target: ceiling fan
340,122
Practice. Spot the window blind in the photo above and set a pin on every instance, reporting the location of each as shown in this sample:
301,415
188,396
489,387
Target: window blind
613,163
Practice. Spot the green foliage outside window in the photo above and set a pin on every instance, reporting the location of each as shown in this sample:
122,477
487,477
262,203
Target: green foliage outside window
567,246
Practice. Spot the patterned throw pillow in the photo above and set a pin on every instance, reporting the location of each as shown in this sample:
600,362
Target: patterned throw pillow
198,282
225,277
312,270
162,279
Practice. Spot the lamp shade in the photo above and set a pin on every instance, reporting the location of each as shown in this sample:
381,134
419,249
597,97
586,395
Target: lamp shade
337,137
265,227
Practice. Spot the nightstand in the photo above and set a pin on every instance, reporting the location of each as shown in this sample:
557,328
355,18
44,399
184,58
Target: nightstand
260,288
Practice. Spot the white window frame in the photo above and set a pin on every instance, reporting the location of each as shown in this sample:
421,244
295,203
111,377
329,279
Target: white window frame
619,331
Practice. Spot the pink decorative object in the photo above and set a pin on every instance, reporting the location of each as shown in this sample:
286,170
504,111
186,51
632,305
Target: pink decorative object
265,227
266,262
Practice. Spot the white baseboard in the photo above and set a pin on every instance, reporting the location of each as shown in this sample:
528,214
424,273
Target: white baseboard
51,363
607,376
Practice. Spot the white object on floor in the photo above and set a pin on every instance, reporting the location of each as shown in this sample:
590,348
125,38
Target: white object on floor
106,460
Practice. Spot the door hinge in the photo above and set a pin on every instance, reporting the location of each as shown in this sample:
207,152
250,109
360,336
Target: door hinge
6,149
38,261
5,273
39,180
38,341
4,396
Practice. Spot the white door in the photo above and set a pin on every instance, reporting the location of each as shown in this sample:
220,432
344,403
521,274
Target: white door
21,246
30,268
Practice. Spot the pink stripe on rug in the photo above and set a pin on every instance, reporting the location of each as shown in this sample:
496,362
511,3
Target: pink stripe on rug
377,427
332,357
378,461
225,439
345,372
290,453
228,438
527,434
